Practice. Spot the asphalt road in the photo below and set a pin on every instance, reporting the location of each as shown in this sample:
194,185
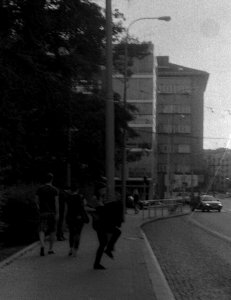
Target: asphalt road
196,264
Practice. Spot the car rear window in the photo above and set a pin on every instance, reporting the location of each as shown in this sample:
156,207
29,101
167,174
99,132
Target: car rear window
208,198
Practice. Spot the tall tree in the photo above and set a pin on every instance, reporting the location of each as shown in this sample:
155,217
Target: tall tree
45,47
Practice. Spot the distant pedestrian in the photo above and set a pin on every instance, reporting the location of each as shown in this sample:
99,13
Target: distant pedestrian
107,218
47,201
130,201
136,198
194,201
76,217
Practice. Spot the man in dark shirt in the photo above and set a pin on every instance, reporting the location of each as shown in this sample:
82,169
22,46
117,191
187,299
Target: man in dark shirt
47,200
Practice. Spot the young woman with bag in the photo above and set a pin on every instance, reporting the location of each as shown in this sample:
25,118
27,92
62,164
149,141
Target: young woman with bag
76,217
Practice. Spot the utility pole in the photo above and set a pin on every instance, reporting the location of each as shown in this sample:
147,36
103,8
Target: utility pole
69,141
69,158
110,143
124,156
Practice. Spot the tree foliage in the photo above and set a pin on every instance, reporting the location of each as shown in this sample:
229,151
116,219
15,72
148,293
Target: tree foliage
45,47
135,50
89,139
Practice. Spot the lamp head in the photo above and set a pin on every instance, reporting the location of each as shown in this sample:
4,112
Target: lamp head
165,18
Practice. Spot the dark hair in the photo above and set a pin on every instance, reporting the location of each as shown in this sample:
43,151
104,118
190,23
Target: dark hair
74,187
49,177
100,185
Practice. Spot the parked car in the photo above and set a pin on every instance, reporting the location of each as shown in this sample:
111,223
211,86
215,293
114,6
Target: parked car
207,203
143,204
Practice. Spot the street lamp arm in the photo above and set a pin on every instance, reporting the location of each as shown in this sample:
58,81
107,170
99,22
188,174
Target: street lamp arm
164,18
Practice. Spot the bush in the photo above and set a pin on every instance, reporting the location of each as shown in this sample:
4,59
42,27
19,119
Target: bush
18,215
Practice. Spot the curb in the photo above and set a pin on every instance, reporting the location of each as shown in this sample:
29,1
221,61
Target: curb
153,219
18,254
159,283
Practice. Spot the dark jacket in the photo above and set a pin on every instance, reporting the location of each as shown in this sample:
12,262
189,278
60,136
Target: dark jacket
108,216
75,208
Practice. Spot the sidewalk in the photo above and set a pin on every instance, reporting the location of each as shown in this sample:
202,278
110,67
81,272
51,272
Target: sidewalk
59,277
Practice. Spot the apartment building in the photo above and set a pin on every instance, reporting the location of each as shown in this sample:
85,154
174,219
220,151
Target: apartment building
218,166
180,116
168,152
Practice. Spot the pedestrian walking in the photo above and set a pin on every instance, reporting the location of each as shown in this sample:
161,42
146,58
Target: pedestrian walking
136,198
48,206
105,222
76,217
114,218
194,201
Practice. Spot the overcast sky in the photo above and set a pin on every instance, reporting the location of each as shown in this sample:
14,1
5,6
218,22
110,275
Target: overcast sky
198,36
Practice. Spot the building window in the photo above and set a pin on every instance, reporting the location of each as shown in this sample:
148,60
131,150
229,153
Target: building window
164,128
166,109
183,148
162,168
164,148
174,108
182,168
182,109
182,129
168,128
164,88
143,108
142,119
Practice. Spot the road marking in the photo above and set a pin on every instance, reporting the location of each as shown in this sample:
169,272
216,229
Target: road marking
226,210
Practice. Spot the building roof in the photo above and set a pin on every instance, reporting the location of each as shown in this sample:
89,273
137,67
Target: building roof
167,68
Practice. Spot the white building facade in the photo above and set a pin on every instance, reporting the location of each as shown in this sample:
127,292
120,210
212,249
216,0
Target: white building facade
141,92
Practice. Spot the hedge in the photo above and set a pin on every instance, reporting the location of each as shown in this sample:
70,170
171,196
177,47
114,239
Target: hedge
18,215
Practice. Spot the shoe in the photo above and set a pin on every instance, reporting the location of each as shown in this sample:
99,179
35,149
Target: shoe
42,252
51,252
99,267
70,252
109,253
61,238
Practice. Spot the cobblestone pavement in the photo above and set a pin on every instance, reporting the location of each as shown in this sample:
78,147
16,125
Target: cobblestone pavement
196,264
219,222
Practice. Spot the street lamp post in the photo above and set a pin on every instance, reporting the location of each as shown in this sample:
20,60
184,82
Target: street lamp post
69,159
110,135
124,160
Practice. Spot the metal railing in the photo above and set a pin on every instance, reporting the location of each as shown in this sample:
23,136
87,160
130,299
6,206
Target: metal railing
162,207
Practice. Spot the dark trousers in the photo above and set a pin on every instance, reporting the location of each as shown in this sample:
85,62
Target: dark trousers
106,240
115,234
75,230
103,240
